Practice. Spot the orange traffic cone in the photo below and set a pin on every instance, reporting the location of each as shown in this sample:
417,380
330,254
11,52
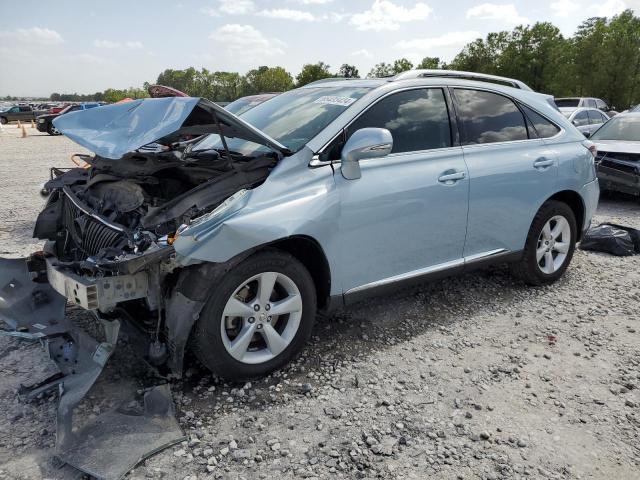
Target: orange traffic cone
33,124
19,125
24,132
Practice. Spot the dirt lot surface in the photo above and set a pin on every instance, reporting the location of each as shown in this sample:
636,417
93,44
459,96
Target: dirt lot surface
476,377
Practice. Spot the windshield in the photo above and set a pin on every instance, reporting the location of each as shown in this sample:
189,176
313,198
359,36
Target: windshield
292,118
622,128
567,102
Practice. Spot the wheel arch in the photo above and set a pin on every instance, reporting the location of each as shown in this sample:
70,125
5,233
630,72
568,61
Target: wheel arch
576,203
309,252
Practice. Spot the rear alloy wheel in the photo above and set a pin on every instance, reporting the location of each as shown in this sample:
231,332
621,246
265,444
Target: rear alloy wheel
3,120
259,316
550,245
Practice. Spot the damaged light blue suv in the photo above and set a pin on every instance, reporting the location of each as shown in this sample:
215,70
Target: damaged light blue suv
195,227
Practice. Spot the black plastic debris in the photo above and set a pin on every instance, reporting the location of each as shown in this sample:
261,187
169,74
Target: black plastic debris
613,239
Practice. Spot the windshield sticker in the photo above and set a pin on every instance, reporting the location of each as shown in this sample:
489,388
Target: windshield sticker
341,101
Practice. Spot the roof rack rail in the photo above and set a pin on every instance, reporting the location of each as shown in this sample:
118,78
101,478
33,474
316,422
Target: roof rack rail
483,77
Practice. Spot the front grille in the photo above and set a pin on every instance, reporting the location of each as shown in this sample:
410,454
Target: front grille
87,234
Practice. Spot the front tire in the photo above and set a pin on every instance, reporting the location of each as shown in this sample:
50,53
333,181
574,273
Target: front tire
259,316
51,130
550,245
3,120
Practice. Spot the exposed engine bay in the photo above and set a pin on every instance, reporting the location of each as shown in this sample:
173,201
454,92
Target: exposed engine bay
114,210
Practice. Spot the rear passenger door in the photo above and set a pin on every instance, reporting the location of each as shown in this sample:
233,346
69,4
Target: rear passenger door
407,215
511,170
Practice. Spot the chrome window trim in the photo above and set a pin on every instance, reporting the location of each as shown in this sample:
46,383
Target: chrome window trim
432,269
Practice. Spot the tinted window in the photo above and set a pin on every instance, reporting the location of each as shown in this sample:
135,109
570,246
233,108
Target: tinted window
594,117
620,127
488,117
25,109
542,128
417,120
581,119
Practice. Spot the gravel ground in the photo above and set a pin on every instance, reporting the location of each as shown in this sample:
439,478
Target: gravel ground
475,377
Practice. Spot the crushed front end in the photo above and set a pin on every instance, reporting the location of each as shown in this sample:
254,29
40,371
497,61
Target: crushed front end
108,228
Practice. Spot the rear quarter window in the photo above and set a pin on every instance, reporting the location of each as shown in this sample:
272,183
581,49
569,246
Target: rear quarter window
542,128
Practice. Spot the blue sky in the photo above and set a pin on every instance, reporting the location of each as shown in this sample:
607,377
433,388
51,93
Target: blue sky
85,46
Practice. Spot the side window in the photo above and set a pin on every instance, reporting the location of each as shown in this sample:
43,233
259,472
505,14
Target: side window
14,110
604,117
594,117
591,103
488,117
417,119
600,104
581,119
25,109
543,128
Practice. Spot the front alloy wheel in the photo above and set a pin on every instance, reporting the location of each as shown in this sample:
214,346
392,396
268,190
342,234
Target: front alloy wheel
261,318
258,316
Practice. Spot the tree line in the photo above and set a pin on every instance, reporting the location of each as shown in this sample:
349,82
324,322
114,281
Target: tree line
602,59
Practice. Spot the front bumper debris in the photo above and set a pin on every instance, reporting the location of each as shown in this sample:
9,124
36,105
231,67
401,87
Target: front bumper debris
114,442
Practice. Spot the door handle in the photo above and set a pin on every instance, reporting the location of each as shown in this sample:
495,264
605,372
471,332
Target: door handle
542,163
451,178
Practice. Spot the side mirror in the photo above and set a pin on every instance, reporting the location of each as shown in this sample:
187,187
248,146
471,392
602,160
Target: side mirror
364,143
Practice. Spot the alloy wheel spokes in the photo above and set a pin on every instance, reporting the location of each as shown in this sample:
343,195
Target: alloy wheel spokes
240,344
293,303
275,343
553,244
266,282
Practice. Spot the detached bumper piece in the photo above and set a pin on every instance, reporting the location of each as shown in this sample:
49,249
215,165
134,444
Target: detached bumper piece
111,444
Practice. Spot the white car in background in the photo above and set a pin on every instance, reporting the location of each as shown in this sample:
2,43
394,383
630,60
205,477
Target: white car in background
587,120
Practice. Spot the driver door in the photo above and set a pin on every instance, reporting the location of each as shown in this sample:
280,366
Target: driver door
407,215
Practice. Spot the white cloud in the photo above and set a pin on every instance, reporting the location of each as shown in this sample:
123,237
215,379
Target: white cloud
314,2
288,14
363,52
607,9
237,7
31,36
564,8
247,42
386,15
212,12
505,13
451,39
98,43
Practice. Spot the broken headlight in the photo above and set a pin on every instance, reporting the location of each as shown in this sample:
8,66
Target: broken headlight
233,203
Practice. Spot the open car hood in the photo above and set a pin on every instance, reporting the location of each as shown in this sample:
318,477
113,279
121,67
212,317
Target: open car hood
114,130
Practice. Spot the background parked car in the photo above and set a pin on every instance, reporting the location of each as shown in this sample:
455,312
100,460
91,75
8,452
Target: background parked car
569,104
618,160
587,120
24,113
44,121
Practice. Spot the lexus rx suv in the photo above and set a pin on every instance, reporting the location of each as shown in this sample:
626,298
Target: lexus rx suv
228,234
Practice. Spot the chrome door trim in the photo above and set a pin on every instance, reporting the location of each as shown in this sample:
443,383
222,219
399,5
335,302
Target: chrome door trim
408,275
433,269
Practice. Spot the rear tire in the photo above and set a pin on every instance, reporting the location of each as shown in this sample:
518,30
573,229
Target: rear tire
51,130
240,335
550,245
3,120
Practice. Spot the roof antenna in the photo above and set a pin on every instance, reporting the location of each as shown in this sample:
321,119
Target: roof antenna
224,141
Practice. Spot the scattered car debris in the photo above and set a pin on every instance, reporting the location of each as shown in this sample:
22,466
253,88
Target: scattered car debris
611,238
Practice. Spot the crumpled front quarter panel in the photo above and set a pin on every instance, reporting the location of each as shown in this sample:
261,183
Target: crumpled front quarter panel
295,200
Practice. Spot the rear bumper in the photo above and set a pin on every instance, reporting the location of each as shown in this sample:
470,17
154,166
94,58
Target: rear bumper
590,195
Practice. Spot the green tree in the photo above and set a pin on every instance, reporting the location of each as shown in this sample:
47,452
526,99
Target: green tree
381,70
348,71
430,63
401,65
311,72
266,79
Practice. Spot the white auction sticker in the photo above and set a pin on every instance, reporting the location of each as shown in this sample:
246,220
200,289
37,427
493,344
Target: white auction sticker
341,101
